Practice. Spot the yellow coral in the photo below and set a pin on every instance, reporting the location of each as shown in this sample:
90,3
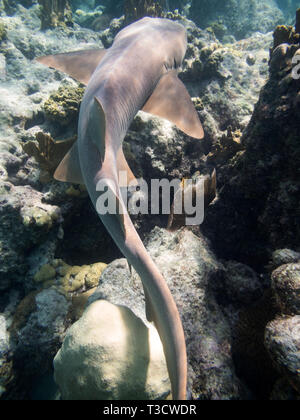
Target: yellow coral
38,216
47,272
63,105
69,279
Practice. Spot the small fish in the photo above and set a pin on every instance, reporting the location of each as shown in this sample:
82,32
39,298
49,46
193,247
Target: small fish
203,185
139,72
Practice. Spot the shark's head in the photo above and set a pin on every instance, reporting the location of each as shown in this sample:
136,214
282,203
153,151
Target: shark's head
171,38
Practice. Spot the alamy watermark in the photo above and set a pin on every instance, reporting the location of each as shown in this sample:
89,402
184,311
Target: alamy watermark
160,197
296,67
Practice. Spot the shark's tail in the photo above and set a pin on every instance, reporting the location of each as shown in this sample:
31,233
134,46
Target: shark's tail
160,305
160,309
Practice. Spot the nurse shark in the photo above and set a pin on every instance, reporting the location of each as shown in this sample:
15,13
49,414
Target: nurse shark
138,72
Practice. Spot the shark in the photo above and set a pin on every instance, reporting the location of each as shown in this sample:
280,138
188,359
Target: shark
138,72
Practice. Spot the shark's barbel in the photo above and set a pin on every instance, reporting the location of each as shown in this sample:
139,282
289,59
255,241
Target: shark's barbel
139,72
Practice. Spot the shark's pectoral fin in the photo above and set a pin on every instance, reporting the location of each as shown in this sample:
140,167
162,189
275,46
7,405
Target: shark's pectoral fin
78,64
171,100
69,168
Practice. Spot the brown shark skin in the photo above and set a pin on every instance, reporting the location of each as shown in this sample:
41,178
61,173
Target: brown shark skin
140,59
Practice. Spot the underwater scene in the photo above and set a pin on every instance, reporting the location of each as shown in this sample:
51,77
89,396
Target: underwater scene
149,200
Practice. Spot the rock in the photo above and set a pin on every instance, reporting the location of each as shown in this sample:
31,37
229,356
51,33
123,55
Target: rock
251,60
8,304
4,337
110,354
240,18
282,339
278,56
286,287
32,329
283,391
190,270
40,333
95,19
25,222
261,176
252,361
223,70
241,285
284,256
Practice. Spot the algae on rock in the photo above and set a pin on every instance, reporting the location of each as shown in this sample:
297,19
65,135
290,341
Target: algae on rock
62,107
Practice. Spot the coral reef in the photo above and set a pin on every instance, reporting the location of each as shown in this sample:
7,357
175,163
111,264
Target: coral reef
282,338
263,176
37,340
190,270
285,35
2,31
235,17
63,106
283,343
25,222
48,153
67,279
60,298
137,9
96,363
286,287
49,232
55,13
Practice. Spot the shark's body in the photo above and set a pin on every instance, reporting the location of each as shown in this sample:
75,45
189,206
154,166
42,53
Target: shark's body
138,72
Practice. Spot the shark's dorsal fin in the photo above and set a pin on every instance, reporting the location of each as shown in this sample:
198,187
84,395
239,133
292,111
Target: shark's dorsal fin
124,167
171,100
69,168
78,64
